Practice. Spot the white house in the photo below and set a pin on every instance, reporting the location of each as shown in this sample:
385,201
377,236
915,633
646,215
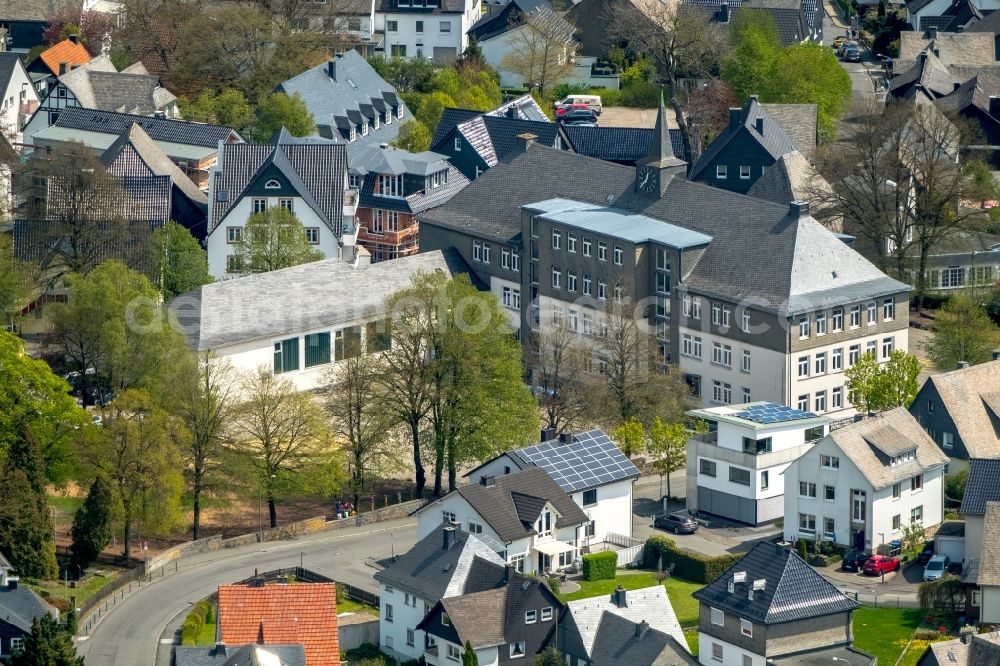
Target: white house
447,562
18,98
736,469
588,466
522,30
527,518
433,29
303,320
306,176
981,510
863,483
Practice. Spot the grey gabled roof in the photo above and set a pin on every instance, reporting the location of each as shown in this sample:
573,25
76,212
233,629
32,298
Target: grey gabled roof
99,85
158,129
417,202
952,48
621,641
793,590
989,564
432,573
989,23
983,486
585,624
134,146
4,562
236,655
971,397
449,119
37,10
790,17
509,519
793,178
21,606
9,62
365,157
300,298
618,144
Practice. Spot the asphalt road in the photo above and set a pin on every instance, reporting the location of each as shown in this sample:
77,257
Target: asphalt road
128,635
862,90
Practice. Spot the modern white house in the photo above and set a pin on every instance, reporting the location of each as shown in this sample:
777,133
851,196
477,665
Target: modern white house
863,483
736,469
301,321
527,518
18,99
447,562
588,466
431,29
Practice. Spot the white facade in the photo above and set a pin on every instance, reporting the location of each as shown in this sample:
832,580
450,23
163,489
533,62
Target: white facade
508,293
425,34
732,655
398,635
495,48
451,653
16,103
737,469
765,379
845,501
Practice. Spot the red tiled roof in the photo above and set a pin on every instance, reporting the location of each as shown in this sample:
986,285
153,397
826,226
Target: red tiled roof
67,53
304,613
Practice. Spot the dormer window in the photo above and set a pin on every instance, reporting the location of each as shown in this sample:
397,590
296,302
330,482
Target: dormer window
544,523
364,129
353,135
375,123
902,457
272,185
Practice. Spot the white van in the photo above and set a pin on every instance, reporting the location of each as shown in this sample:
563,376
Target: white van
593,101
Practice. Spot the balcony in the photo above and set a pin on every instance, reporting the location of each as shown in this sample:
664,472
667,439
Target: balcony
351,197
707,446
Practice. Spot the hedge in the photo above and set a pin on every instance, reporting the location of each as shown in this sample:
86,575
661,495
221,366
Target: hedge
600,566
200,613
692,566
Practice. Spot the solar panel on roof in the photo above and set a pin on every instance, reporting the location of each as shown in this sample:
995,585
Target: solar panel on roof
591,459
773,413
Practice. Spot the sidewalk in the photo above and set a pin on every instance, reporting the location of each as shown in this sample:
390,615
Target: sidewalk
833,13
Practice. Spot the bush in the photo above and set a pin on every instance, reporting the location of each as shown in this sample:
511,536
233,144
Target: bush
600,566
692,566
954,484
554,582
643,95
800,547
201,613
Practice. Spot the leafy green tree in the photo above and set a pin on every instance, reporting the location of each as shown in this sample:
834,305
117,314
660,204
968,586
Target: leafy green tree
667,445
876,388
962,332
755,47
809,73
26,530
228,107
413,136
431,107
273,238
179,261
20,281
280,110
35,402
630,437
48,644
954,484
469,657
93,523
862,384
550,656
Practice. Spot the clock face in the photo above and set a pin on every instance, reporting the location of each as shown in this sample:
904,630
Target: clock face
648,181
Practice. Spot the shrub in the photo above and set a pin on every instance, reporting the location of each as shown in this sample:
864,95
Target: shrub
600,566
554,582
800,547
693,566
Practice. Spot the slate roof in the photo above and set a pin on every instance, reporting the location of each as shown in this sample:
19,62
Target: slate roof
586,619
282,614
9,62
774,140
494,134
338,103
417,202
98,85
498,22
234,655
5,563
983,486
445,7
982,649
316,171
803,266
916,5
158,129
625,145
989,563
974,92
135,145
514,520
449,119
21,606
789,17
800,122
618,643
952,48
793,178
989,23
37,10
363,158
793,591
868,444
971,396
68,53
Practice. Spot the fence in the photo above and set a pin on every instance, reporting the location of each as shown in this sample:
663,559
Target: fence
631,549
343,589
108,597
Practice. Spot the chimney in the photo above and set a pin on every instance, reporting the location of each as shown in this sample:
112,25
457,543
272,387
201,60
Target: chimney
488,481
724,12
449,537
511,112
962,365
566,438
220,648
642,627
620,597
331,69
75,39
12,582
734,116
996,354
548,434
527,138
995,107
759,124
932,34
798,209
257,582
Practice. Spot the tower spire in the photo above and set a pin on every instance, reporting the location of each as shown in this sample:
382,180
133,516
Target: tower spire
660,148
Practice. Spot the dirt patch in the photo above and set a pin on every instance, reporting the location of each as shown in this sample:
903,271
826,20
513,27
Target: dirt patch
623,116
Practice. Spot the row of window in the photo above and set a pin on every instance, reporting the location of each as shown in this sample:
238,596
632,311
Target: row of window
383,221
722,354
722,171
819,323
954,277
743,477
579,322
818,366
326,347
587,285
444,27
364,126
260,204
510,259
721,313
820,402
586,247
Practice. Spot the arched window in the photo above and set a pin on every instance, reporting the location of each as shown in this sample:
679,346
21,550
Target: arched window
272,185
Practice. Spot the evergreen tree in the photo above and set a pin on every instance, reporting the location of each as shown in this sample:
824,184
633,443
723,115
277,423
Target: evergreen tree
49,644
25,528
469,657
92,528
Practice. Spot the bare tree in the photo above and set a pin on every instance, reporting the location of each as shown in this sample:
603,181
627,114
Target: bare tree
559,359
540,49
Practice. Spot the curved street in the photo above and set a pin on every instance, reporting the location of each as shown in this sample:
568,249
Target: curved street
128,635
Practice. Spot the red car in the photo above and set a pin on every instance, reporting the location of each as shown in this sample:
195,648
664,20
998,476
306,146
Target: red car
880,564
563,110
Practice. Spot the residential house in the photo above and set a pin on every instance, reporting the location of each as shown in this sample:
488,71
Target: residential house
863,483
349,100
977,101
474,141
259,614
351,24
18,99
981,510
635,627
300,320
737,469
989,23
960,410
307,178
99,85
972,49
431,29
395,186
793,178
589,231
959,259
588,466
55,61
952,15
245,655
928,77
25,20
502,625
531,522
193,147
623,145
447,562
755,138
969,650
19,606
773,608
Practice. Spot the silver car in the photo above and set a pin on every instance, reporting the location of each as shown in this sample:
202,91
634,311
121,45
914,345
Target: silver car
936,567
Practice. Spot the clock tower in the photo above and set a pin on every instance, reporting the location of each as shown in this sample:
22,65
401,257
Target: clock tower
653,172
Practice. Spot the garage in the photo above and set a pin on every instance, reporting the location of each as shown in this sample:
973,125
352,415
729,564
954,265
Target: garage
950,540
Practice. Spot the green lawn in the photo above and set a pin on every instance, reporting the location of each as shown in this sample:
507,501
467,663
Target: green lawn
91,585
351,606
65,503
678,589
884,631
691,635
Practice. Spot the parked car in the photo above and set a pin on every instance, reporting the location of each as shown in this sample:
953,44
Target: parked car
855,560
926,554
880,564
581,123
578,115
678,523
852,54
844,45
839,40
936,567
592,102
